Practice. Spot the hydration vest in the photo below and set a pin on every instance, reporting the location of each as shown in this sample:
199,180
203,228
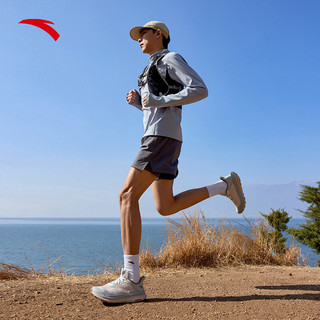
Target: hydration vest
157,84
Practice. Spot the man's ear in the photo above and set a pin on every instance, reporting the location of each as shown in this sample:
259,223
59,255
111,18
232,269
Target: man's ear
159,33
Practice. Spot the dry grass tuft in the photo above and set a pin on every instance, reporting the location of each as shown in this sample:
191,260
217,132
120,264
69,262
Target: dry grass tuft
196,243
13,272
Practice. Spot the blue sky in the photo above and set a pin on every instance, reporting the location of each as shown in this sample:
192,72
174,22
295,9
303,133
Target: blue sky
68,137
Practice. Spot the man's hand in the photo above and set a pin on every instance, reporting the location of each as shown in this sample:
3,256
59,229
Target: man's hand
144,101
131,95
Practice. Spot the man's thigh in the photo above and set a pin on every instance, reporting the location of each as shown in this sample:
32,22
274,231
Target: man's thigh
137,182
162,192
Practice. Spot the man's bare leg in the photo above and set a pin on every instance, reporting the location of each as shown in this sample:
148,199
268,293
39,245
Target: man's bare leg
166,203
129,287
136,183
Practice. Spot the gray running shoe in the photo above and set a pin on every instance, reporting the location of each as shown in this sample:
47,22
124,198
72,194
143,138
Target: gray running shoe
234,191
121,290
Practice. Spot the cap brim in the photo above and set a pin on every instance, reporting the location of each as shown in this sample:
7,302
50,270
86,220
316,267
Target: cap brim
135,33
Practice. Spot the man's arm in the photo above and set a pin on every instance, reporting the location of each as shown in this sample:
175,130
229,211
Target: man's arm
133,98
194,87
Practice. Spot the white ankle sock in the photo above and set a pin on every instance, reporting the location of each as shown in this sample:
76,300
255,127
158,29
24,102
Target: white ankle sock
219,187
131,264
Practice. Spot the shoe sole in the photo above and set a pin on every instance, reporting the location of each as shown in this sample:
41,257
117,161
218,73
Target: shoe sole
122,300
238,186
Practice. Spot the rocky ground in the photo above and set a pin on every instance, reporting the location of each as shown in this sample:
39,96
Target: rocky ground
227,293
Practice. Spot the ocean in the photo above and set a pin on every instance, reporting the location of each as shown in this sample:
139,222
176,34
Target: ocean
82,246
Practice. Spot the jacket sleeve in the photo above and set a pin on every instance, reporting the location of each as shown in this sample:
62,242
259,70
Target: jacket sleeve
194,87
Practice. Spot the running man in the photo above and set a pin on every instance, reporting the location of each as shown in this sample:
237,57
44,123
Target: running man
166,84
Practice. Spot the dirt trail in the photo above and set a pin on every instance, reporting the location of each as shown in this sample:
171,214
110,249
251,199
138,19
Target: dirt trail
228,293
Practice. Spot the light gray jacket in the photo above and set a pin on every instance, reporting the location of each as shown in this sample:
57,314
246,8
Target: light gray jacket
161,117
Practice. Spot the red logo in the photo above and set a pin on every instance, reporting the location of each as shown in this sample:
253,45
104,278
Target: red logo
42,25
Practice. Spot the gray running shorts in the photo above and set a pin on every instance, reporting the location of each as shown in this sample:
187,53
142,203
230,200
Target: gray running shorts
159,155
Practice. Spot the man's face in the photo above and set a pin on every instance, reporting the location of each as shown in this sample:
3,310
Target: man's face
147,41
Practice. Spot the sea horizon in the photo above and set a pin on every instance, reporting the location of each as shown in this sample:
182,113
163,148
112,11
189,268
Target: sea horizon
9,220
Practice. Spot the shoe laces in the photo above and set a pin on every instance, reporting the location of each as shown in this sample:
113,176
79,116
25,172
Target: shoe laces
120,280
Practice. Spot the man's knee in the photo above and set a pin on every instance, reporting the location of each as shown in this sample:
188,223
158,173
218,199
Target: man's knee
127,196
165,209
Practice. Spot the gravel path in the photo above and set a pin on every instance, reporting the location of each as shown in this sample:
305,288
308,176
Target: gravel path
227,293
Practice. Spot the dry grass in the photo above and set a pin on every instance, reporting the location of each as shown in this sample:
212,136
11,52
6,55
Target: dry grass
196,243
10,272
14,272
